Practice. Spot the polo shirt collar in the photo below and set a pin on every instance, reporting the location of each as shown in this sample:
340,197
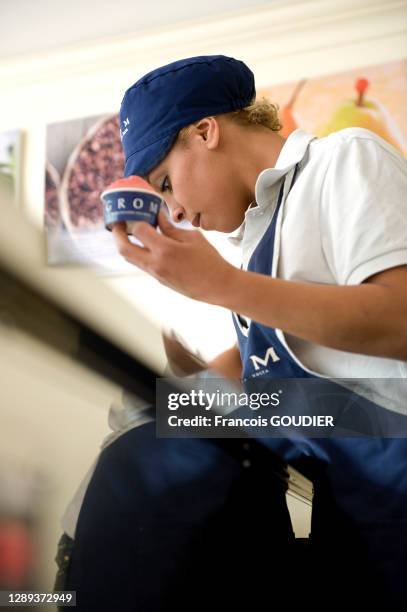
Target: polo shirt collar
292,152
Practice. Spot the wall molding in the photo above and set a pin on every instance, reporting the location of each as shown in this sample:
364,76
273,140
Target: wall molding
283,29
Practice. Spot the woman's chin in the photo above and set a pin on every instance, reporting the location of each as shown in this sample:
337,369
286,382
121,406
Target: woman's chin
224,226
230,227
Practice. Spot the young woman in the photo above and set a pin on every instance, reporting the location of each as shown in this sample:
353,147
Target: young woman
322,292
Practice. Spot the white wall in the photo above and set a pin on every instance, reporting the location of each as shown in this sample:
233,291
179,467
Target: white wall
287,41
56,23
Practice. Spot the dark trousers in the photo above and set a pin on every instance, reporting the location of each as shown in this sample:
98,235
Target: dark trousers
185,524
197,524
341,567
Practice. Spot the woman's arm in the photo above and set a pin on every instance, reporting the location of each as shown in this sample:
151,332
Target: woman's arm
228,363
370,318
184,362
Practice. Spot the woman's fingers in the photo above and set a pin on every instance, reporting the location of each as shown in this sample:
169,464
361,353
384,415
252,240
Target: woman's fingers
134,254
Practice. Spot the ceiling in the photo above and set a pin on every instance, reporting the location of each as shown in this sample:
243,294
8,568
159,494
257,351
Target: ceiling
32,26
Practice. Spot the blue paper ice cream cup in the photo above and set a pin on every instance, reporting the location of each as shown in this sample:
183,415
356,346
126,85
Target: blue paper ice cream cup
129,200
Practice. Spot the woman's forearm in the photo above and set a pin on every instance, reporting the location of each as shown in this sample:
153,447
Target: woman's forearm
368,318
228,363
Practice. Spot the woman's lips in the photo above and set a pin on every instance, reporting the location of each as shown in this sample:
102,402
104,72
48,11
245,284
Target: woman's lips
196,220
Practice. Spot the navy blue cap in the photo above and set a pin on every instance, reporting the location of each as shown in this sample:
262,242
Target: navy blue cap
162,102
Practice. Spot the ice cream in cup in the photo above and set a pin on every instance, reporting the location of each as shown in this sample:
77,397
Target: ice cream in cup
130,199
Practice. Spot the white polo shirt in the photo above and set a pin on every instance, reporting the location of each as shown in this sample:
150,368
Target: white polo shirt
344,220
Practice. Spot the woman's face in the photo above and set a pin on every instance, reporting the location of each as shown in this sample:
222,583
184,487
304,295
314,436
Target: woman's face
198,181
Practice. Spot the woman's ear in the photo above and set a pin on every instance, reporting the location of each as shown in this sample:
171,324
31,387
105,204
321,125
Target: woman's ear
208,131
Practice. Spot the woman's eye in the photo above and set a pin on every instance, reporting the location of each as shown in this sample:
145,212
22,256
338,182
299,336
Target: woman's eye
165,185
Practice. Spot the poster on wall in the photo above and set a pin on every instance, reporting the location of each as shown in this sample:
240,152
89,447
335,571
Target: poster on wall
83,157
10,165
374,97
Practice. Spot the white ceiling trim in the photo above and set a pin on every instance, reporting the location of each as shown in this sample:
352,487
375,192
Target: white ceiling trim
285,28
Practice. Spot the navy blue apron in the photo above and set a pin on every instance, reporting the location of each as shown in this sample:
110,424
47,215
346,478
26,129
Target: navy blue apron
359,520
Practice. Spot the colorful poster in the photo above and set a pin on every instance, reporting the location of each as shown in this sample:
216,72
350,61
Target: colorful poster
374,97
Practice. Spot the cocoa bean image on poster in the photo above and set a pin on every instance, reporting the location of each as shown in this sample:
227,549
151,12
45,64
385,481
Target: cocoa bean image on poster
83,156
96,161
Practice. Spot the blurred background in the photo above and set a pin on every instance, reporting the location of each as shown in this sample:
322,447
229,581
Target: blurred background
63,70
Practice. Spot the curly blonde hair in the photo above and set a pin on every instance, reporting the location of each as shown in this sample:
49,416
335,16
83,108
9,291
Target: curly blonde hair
259,112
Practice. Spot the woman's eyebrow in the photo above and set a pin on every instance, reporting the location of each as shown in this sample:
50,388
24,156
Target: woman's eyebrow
150,181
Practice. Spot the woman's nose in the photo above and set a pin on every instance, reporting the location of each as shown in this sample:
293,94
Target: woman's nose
178,214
